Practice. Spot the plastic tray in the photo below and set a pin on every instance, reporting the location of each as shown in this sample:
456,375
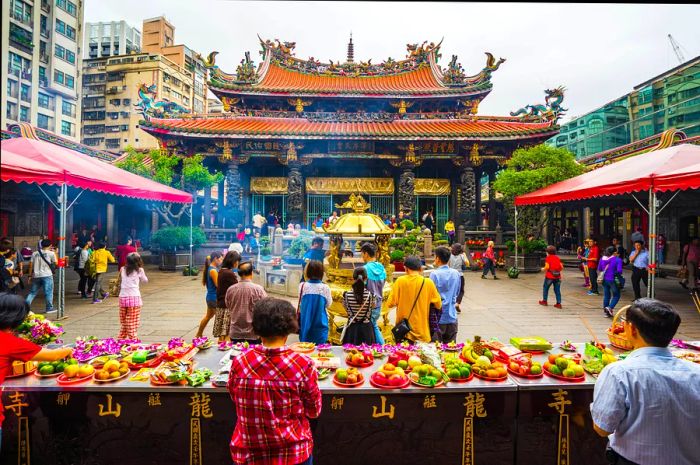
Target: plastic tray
463,380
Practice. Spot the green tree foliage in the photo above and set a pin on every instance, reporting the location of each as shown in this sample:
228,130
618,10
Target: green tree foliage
531,169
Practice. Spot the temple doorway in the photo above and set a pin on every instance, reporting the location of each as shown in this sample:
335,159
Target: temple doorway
266,203
440,204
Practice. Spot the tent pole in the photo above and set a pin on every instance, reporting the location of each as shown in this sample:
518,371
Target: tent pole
516,236
63,200
652,244
191,215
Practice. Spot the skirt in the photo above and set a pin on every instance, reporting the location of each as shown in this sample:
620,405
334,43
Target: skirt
359,333
222,320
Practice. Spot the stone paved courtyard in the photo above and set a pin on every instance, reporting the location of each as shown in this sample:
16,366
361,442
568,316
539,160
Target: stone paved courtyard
174,305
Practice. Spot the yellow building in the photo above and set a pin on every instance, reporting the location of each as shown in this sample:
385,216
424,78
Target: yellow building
111,91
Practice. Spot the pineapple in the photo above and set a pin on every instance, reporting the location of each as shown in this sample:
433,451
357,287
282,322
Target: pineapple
477,346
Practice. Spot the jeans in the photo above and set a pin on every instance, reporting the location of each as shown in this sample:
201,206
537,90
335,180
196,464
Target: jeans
376,314
489,265
557,289
83,282
660,256
98,292
639,274
47,284
611,294
593,274
309,461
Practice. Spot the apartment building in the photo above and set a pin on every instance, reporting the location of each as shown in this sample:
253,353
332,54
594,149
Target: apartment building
110,93
159,37
41,63
110,38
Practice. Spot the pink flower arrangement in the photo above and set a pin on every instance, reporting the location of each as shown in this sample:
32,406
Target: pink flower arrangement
39,330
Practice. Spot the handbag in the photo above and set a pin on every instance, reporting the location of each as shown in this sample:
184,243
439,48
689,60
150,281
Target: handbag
352,320
619,280
403,327
601,276
115,285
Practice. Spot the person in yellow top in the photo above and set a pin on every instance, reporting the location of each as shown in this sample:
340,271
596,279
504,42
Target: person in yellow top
450,231
405,291
100,256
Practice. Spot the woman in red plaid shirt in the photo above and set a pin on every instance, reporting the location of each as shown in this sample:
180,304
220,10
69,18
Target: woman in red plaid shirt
275,391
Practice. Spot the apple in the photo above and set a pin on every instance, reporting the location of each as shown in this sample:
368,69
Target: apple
352,379
393,359
547,365
403,364
514,366
552,359
380,377
396,380
358,359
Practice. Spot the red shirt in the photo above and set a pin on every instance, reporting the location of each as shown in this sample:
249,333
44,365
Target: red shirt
593,257
13,349
554,265
122,252
275,392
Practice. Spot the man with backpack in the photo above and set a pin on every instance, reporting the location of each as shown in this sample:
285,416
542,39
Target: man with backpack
41,269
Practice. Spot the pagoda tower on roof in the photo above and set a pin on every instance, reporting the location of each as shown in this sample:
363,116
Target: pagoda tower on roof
300,135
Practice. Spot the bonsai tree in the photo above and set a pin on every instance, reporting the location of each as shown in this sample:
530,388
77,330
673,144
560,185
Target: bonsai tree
530,169
299,246
265,251
173,238
397,256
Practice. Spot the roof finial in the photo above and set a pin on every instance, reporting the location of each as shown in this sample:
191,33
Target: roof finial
351,50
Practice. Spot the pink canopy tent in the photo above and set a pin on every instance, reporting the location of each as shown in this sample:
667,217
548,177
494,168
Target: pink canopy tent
672,169
34,161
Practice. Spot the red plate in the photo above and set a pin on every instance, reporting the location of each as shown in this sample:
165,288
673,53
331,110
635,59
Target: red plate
491,379
347,385
156,382
463,380
112,379
360,365
524,376
154,362
23,374
438,384
63,381
534,352
564,378
382,386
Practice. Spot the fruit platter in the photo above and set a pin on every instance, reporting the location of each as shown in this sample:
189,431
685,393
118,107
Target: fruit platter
111,371
425,375
143,359
323,373
489,370
303,347
457,369
389,376
565,367
171,373
524,367
348,377
52,369
74,374
473,350
358,359
688,355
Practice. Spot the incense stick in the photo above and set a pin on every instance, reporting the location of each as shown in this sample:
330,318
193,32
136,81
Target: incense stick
588,327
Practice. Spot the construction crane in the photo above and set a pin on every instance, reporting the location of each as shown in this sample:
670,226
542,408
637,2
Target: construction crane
676,49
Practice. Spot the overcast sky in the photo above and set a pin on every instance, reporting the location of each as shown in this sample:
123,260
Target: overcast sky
598,52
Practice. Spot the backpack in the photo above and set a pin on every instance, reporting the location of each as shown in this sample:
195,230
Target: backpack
90,267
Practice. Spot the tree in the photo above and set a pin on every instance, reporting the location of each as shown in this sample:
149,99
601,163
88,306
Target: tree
188,174
531,169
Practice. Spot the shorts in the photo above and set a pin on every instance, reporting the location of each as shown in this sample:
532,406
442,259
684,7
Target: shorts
211,304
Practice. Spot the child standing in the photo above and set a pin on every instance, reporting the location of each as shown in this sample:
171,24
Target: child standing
101,256
130,302
552,268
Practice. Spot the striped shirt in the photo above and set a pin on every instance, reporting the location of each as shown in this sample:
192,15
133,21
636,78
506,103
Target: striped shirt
352,306
651,403
275,391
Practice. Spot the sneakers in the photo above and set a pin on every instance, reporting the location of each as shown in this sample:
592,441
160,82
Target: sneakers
496,277
98,301
607,312
543,302
483,277
459,310
592,293
557,305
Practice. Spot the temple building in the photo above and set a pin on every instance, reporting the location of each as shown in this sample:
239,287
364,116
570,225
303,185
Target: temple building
298,136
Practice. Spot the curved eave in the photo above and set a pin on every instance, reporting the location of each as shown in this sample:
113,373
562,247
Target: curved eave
448,93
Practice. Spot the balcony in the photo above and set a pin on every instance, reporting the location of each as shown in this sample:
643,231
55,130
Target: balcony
115,90
21,40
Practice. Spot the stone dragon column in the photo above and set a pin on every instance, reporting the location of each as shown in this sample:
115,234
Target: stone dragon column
295,182
407,179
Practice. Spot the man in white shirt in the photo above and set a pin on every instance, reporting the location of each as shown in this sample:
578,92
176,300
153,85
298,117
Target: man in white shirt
333,218
258,221
41,274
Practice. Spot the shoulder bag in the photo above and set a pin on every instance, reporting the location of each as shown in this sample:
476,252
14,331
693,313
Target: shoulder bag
352,320
601,276
115,285
403,327
51,265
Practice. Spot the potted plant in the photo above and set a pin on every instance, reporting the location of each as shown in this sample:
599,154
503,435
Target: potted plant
265,253
531,250
190,271
396,257
173,243
297,248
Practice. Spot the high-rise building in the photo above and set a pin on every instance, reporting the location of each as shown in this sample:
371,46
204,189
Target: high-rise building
110,38
668,101
41,63
111,91
159,37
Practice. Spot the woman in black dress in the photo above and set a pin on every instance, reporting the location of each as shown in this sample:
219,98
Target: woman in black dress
359,303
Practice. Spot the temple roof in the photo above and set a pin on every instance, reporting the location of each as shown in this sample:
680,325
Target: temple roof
302,128
419,75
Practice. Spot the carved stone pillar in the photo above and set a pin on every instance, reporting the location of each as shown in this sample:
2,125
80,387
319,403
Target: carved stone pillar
407,197
233,195
492,202
220,204
477,198
467,201
207,207
295,194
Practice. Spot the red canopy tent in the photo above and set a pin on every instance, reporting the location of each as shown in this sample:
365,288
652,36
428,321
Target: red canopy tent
671,169
26,159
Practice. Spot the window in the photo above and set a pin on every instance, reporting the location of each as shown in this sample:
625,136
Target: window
63,78
18,63
44,101
64,29
67,6
64,54
11,112
66,128
24,114
43,121
68,109
25,93
70,81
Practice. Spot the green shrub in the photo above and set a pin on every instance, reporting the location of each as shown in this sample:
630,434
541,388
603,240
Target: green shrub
265,251
187,271
264,240
440,242
527,247
398,243
397,256
408,225
178,237
437,236
299,246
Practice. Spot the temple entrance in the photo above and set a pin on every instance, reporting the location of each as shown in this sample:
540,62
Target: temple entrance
441,209
324,204
266,203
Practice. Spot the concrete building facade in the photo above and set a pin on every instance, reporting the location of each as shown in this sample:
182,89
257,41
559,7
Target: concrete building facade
41,64
110,38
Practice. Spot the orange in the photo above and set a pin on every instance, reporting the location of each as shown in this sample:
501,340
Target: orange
492,373
114,374
501,372
102,375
